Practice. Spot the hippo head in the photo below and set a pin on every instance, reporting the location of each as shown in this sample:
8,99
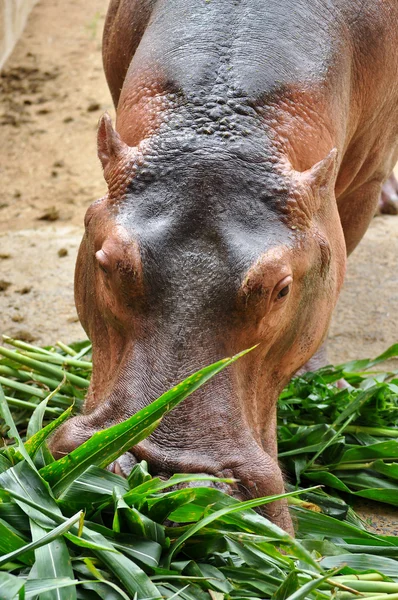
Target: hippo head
196,253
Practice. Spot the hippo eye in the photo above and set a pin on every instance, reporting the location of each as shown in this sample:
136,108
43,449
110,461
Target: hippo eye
284,292
283,288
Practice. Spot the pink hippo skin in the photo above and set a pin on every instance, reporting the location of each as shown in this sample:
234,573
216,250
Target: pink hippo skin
251,145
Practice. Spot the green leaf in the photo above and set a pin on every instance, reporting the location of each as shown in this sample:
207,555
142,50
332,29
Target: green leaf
307,588
213,577
82,543
129,574
91,487
53,561
139,524
103,587
34,442
47,587
27,483
139,474
251,580
13,432
389,470
10,586
163,507
283,536
357,404
379,495
40,541
287,587
101,449
10,541
13,515
30,488
327,478
361,365
146,552
258,556
4,463
156,484
324,547
184,592
313,523
36,420
383,450
363,562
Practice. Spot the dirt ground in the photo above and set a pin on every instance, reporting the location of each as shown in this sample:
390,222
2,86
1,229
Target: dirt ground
52,93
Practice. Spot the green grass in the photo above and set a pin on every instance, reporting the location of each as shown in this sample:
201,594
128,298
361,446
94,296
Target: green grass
71,529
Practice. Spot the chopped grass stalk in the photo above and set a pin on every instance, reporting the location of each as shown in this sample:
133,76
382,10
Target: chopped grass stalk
31,376
59,360
374,586
85,350
375,596
327,444
66,349
21,387
374,431
25,345
31,406
44,368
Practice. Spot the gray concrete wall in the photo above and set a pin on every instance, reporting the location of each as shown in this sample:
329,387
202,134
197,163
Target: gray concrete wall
13,16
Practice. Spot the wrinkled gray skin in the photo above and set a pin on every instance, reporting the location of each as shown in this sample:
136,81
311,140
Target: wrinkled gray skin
253,140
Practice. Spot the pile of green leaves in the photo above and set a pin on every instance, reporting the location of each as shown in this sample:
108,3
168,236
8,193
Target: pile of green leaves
344,438
71,529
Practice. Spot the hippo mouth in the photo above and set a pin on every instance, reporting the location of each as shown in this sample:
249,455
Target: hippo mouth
251,470
226,484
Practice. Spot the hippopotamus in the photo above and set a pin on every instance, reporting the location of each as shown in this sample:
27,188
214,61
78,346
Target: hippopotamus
252,141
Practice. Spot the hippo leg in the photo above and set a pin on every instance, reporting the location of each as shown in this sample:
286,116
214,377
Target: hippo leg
388,203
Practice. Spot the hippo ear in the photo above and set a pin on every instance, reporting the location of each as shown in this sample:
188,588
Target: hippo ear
322,176
110,145
318,183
